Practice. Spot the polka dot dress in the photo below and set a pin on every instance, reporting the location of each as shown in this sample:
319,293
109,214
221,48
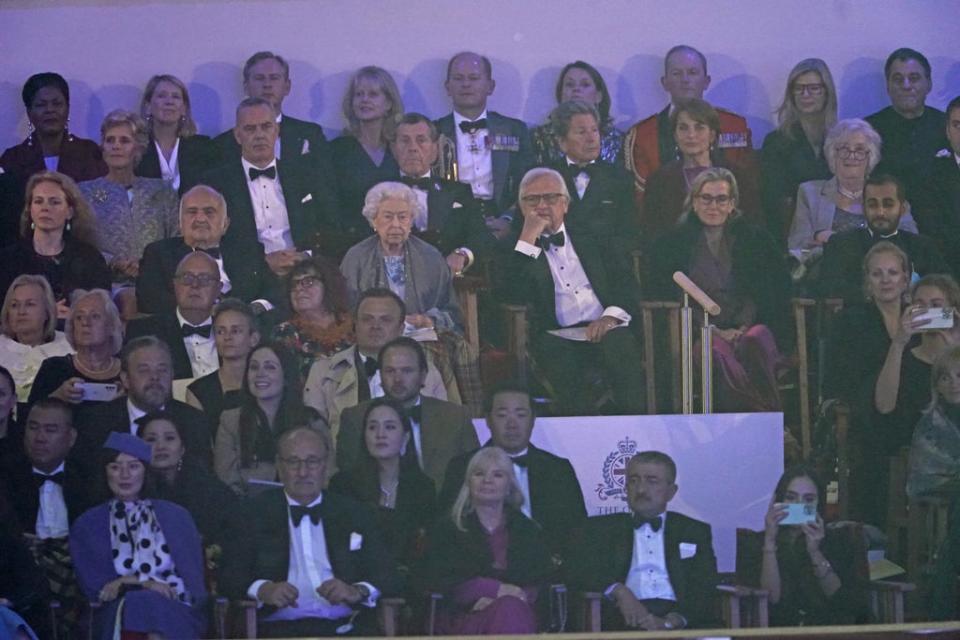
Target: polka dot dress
139,547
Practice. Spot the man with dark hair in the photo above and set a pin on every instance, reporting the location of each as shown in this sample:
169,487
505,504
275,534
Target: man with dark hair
492,151
353,375
649,144
912,131
266,75
146,372
884,202
656,568
551,492
441,430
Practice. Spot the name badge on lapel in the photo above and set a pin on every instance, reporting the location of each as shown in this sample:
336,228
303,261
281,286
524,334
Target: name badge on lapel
505,143
732,140
687,550
356,541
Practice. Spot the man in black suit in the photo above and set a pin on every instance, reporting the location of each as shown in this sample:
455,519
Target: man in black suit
146,372
452,223
266,75
884,202
441,429
551,492
277,208
656,568
492,151
313,559
203,223
188,329
937,206
581,283
601,194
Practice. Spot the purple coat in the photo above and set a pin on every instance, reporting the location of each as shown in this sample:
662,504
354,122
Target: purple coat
144,611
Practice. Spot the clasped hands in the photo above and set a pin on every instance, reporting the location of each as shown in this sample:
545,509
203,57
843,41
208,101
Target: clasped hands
111,590
284,594
635,614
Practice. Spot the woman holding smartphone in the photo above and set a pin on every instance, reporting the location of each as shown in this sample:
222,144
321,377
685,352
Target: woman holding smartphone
808,570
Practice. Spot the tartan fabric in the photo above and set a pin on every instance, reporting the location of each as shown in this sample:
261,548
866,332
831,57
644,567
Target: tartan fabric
53,557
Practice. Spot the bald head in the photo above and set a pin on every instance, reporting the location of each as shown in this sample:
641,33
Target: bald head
302,463
196,286
469,83
203,217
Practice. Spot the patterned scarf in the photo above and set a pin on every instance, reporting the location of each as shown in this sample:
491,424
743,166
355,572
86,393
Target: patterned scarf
140,548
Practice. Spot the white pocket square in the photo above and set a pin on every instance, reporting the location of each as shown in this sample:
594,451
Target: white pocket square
457,205
307,198
687,550
306,148
356,541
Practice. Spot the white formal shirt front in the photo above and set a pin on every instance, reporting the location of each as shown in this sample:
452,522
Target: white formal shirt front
582,180
576,301
170,169
474,157
648,577
52,520
309,568
276,145
522,475
201,351
415,429
269,209
422,219
374,382
134,413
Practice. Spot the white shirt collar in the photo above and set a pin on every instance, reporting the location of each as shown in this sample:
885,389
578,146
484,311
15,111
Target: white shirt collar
571,163
956,158
293,503
889,235
60,467
457,118
134,411
279,118
183,320
247,166
525,451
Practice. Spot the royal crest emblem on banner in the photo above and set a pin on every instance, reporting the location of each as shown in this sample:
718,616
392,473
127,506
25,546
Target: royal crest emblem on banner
614,470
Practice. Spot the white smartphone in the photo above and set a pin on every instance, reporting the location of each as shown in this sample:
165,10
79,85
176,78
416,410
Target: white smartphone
98,392
800,513
939,317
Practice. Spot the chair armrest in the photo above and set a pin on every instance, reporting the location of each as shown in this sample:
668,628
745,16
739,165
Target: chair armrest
592,604
389,609
891,586
741,591
659,304
803,302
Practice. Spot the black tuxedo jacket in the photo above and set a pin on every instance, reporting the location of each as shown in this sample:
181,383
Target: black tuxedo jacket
196,156
841,270
453,219
607,207
300,141
937,208
509,164
80,491
250,277
166,327
606,551
310,205
95,421
556,501
264,547
530,282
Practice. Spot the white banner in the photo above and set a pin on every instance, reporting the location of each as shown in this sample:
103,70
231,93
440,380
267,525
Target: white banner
727,464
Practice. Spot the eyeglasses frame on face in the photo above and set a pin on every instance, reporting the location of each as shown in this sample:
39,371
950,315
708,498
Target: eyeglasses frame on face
311,463
534,199
708,200
845,153
305,282
814,89
195,280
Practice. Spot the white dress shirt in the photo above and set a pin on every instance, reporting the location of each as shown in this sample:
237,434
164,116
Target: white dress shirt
648,577
374,382
523,479
309,568
201,351
276,145
52,520
170,169
582,180
576,300
415,429
474,157
422,220
135,413
269,209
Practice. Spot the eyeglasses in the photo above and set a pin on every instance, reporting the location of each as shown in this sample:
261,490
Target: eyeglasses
305,282
814,89
311,463
707,200
534,199
194,280
845,153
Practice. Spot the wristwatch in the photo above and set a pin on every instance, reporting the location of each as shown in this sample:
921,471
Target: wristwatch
364,592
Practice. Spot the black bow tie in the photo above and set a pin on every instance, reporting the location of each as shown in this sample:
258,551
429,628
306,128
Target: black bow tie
556,239
423,184
40,478
213,252
316,512
654,522
370,367
576,169
472,127
269,172
188,330
521,461
413,413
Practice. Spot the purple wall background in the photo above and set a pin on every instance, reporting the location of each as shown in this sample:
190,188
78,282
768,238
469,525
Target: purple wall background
108,49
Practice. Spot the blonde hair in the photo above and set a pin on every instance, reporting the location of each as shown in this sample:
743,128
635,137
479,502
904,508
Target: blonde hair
25,280
119,118
114,323
83,226
188,127
713,174
389,88
788,115
947,360
884,247
485,457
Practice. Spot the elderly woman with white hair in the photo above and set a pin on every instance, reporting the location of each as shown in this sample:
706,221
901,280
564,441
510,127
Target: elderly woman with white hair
131,211
28,322
95,331
408,266
825,207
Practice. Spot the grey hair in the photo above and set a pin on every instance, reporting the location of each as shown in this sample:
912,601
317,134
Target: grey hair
386,190
202,187
539,172
562,115
485,457
713,174
114,323
249,103
841,131
138,127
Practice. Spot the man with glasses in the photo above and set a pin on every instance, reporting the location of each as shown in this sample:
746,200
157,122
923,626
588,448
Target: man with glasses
313,560
884,202
188,329
578,282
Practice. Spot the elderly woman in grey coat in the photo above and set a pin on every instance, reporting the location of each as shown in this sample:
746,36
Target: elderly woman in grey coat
408,266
